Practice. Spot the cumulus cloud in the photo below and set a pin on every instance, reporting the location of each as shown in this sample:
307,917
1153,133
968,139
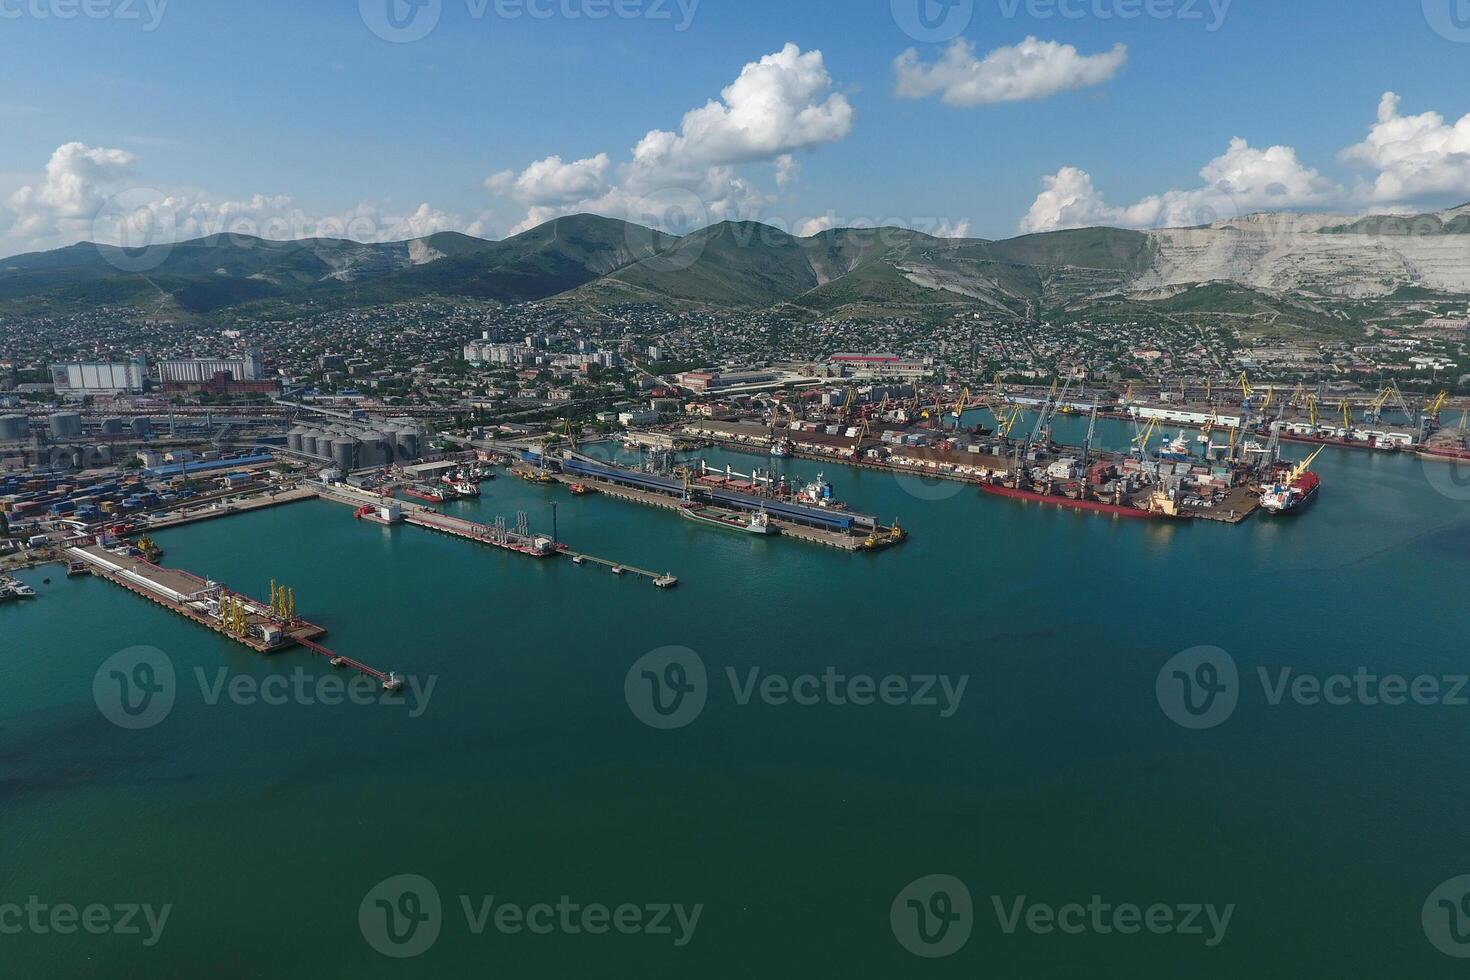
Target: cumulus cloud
782,104
1241,180
92,194
1033,69
1416,157
551,182
952,229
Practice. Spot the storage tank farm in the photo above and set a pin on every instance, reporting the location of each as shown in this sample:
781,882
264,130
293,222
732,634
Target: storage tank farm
14,428
350,446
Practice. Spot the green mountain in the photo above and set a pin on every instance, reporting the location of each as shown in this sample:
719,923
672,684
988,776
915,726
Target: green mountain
1267,266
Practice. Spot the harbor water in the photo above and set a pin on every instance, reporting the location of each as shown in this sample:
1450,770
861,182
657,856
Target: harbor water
521,763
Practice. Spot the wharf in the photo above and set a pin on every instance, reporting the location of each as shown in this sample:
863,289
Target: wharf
534,546
193,515
196,599
853,541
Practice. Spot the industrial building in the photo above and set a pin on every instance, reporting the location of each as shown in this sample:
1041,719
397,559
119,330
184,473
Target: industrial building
77,380
250,367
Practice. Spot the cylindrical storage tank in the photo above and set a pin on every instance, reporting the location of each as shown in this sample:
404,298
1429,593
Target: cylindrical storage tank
293,439
59,457
376,450
66,425
408,444
344,454
14,428
112,427
309,443
100,456
142,425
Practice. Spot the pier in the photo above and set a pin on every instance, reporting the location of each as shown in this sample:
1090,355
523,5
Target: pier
371,507
254,624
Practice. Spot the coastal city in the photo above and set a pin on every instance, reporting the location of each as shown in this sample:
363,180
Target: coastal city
607,489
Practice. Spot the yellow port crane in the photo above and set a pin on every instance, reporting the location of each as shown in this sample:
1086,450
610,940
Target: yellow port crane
1246,390
283,603
1347,415
1270,398
1140,441
1301,468
1005,425
1312,411
1437,405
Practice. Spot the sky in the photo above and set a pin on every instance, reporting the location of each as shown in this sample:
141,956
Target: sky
131,121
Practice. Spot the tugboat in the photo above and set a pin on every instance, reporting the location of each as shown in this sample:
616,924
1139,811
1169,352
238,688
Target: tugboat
879,541
1293,491
580,490
149,549
781,448
465,488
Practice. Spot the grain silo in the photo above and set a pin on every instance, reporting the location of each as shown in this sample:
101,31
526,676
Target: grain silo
112,427
66,425
309,442
344,454
99,456
14,428
376,450
142,426
293,439
408,444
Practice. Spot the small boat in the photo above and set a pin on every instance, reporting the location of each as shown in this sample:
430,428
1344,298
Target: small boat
580,490
16,589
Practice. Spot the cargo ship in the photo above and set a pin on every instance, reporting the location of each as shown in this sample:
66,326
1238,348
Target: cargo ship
881,540
1293,491
1160,507
758,523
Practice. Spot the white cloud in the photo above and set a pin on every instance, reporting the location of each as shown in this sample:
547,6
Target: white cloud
1033,69
1241,180
817,225
781,104
952,229
552,182
1416,156
90,194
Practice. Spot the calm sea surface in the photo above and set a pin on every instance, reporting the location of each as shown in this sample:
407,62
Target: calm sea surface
526,775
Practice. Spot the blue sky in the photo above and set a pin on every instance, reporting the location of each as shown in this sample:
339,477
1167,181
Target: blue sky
296,108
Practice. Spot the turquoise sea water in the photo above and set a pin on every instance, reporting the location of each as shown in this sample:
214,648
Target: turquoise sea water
528,777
